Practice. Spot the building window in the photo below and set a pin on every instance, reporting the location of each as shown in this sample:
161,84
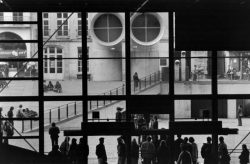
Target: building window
64,30
1,16
79,66
53,63
17,16
45,24
79,21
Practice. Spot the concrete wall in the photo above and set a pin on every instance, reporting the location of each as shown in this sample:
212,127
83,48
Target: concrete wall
182,108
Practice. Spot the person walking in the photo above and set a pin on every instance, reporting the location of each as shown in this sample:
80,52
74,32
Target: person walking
134,152
244,156
206,151
10,115
177,146
118,114
64,147
121,151
185,156
224,157
82,151
194,152
163,153
240,115
148,151
54,134
136,80
73,151
101,152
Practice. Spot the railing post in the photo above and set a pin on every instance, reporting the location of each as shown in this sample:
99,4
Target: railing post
31,125
67,111
22,126
145,82
50,116
155,77
58,112
159,75
149,79
123,89
75,107
97,103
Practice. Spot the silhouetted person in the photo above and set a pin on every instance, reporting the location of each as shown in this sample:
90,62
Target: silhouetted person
121,151
54,134
73,151
185,156
1,126
101,152
240,115
148,151
206,151
244,156
64,147
56,155
118,114
155,127
147,119
58,87
19,111
50,86
177,148
163,153
82,151
194,152
188,145
134,152
224,157
136,80
10,115
7,130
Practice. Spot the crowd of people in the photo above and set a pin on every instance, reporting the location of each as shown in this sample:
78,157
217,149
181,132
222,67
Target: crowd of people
50,87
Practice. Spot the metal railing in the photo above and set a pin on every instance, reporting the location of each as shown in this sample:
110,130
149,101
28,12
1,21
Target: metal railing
239,143
17,133
72,109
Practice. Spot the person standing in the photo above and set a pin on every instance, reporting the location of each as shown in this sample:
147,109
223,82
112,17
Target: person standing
101,152
206,151
194,152
240,115
163,153
136,80
134,152
73,151
224,157
121,151
177,146
118,114
10,115
244,156
148,151
185,156
82,151
54,134
64,147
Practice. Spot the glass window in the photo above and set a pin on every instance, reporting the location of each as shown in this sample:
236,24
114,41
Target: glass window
17,16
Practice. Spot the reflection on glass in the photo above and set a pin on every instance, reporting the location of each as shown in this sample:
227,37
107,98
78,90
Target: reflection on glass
191,110
233,72
106,111
192,74
150,76
106,77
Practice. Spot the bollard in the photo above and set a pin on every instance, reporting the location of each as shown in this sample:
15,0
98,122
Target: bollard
75,107
67,111
58,113
50,116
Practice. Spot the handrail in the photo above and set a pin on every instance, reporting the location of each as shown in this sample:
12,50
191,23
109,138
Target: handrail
239,143
19,134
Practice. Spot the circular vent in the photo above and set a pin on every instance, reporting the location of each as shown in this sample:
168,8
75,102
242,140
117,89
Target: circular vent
146,28
107,28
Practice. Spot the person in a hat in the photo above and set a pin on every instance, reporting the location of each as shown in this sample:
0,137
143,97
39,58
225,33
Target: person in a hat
101,152
118,115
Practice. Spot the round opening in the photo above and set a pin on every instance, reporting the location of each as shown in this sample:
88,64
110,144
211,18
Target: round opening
107,28
146,28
